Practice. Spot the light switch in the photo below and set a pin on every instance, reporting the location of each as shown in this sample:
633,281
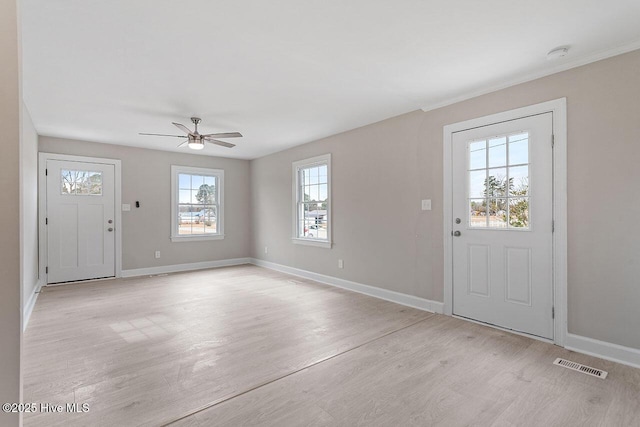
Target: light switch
126,207
426,205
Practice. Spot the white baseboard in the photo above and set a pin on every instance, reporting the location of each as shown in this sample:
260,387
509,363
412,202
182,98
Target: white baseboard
604,350
31,303
163,269
397,297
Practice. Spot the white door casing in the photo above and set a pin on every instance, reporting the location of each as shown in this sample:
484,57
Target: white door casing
502,246
80,220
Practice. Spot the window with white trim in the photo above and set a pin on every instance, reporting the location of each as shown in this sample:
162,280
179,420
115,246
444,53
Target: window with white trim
312,201
197,203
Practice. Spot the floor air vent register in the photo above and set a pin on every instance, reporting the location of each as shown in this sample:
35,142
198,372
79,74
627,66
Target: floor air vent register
581,368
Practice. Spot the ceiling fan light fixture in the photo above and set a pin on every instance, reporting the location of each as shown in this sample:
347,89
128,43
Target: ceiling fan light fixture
195,143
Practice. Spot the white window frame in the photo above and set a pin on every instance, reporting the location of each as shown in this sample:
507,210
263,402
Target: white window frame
324,159
219,174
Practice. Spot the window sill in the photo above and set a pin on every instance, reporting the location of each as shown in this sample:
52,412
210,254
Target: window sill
196,238
310,242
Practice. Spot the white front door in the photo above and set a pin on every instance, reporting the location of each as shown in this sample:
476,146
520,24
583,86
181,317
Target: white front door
80,220
502,224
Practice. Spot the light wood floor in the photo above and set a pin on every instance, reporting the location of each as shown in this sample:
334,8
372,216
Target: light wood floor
250,346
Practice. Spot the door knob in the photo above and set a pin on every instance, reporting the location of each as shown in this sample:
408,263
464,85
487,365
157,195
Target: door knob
458,220
456,233
110,221
109,229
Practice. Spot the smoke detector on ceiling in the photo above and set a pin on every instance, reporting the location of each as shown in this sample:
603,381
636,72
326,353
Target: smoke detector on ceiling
558,53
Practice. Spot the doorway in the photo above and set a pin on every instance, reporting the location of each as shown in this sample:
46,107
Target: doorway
80,222
505,217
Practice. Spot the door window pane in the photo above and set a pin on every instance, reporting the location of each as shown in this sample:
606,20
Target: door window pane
478,155
519,149
497,152
80,183
477,181
519,177
498,189
477,213
519,212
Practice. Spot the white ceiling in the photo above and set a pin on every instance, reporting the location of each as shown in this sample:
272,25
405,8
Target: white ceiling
286,72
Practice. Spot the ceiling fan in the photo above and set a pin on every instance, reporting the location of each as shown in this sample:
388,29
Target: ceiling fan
196,140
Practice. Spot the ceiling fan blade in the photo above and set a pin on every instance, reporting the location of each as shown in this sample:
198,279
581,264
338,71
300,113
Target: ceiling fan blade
161,134
224,135
222,143
184,143
182,128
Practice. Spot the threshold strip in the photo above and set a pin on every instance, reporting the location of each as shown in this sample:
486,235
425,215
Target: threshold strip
267,382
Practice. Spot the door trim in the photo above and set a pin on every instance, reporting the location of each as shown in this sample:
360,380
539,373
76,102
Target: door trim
42,207
559,109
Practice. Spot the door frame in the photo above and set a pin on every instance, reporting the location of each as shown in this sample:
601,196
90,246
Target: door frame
42,208
559,122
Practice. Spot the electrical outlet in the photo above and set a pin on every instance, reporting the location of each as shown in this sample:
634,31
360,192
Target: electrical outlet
340,263
266,250
157,254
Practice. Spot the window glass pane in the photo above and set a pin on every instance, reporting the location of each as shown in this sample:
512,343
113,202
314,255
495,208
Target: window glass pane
519,149
519,181
205,194
323,173
323,192
497,213
197,219
196,181
519,212
313,175
79,182
477,181
495,184
184,181
209,180
314,193
184,196
497,152
478,155
477,213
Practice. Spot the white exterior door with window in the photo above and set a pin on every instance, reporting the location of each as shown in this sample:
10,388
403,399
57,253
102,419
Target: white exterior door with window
502,224
80,212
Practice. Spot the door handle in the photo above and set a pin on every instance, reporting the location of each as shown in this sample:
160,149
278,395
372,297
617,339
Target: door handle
110,221
109,229
457,233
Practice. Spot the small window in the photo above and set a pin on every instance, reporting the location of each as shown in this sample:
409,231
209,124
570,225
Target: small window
196,203
80,183
498,177
312,201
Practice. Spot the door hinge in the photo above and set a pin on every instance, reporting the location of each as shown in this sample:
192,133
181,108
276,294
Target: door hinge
46,172
553,140
553,226
46,270
553,312
46,221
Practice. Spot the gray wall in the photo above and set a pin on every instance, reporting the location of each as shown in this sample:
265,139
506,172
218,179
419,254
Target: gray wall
146,177
29,206
382,171
10,304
